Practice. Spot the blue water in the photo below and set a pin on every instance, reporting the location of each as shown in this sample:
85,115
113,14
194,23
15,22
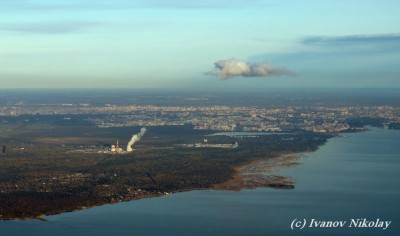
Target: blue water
356,176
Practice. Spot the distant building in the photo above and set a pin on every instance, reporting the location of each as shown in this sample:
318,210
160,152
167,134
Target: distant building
116,149
3,150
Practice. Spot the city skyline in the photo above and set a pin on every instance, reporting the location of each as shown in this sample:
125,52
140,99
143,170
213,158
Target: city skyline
179,44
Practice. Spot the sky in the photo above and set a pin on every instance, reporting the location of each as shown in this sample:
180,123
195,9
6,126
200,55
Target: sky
223,44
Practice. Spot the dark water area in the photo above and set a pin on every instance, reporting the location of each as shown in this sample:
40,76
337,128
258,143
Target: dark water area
351,177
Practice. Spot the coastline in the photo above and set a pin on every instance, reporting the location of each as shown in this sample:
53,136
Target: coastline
255,205
255,174
261,174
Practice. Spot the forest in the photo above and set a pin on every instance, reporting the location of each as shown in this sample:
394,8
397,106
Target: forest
39,178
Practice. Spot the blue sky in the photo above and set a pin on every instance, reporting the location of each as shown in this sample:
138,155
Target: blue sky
173,44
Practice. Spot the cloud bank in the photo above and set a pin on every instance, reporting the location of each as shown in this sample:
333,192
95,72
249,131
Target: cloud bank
227,69
352,39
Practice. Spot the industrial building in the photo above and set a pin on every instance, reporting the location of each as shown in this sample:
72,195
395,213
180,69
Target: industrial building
116,149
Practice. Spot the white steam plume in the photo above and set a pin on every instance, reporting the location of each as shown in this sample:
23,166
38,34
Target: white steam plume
134,139
227,69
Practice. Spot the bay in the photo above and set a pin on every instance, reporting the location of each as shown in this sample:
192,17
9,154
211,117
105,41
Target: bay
350,177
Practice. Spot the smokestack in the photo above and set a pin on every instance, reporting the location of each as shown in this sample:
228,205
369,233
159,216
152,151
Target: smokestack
4,150
134,139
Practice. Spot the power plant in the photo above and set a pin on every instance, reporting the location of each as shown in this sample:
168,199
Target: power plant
134,139
116,149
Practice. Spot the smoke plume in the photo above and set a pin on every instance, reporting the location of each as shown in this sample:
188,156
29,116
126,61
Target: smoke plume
227,69
134,139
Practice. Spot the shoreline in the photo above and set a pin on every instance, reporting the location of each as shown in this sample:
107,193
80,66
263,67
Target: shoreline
262,173
247,176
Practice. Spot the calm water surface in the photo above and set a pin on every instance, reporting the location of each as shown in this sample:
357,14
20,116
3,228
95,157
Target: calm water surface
356,176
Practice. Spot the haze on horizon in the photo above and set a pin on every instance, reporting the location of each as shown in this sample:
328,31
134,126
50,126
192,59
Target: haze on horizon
203,44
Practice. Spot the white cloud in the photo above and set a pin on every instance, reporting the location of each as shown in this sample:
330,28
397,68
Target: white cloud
227,69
